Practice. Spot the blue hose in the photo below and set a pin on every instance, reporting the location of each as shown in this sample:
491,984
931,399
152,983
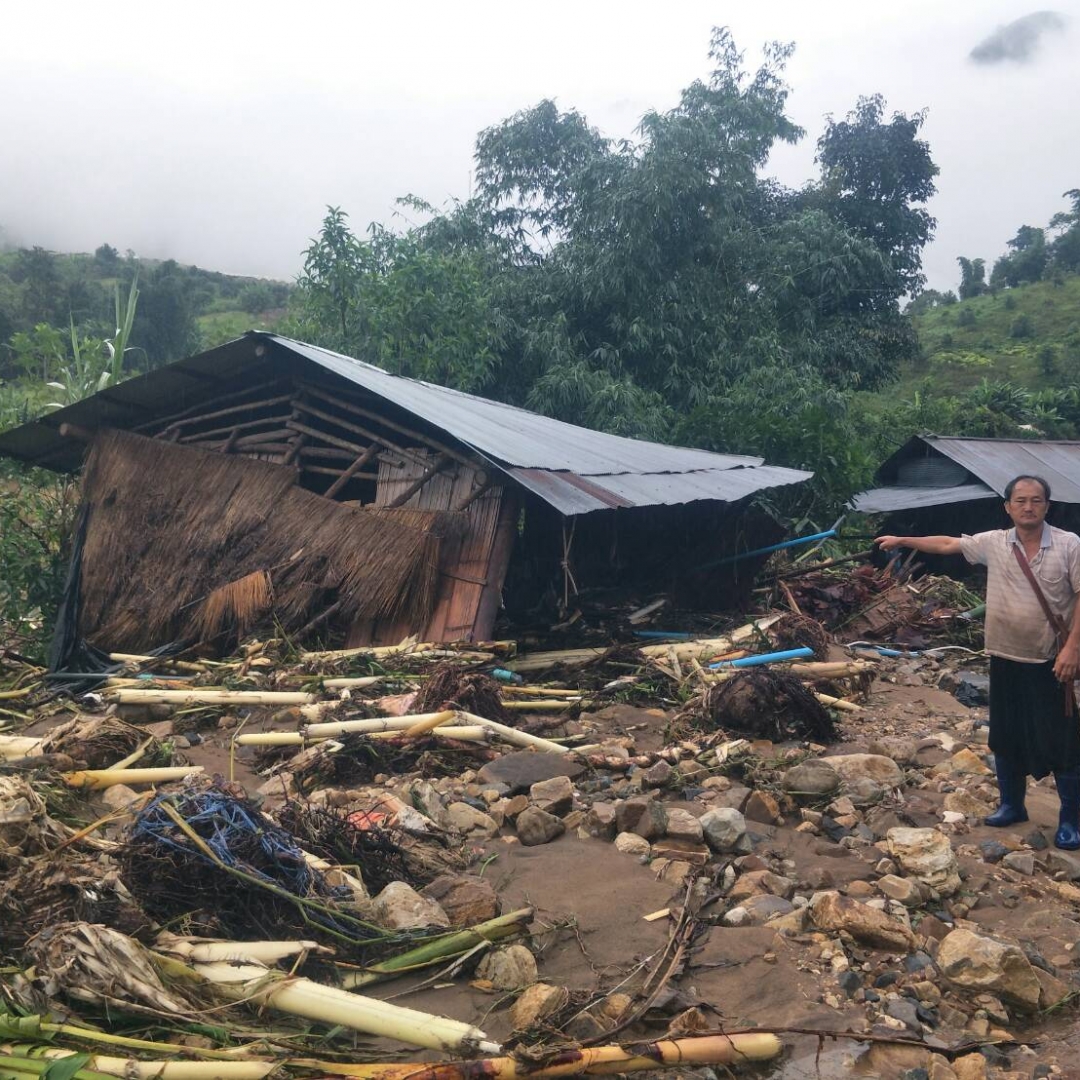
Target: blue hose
764,658
797,542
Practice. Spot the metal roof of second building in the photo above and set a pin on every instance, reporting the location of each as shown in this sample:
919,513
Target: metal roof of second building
575,469
989,464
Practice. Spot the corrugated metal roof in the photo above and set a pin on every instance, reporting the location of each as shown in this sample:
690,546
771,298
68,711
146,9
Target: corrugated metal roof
571,494
575,469
884,500
992,463
997,461
516,436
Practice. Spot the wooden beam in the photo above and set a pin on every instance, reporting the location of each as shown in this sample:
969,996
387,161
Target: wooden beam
437,465
401,429
367,433
246,425
264,403
256,388
352,470
333,440
325,470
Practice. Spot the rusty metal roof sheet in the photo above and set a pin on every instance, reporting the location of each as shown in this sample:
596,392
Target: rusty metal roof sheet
575,469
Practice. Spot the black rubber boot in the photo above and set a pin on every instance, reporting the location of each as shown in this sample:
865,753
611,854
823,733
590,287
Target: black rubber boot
1068,835
1012,783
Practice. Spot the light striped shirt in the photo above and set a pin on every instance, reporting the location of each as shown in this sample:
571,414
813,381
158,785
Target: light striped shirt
1016,625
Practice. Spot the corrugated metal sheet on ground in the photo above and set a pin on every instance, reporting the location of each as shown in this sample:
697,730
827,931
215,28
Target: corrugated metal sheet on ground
884,500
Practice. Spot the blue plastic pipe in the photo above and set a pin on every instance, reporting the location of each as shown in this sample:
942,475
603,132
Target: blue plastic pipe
764,658
672,635
798,541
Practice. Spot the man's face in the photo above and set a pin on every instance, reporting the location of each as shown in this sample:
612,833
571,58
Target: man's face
1027,506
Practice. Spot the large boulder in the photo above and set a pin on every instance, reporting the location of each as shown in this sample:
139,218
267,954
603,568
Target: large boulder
812,778
723,828
877,767
975,962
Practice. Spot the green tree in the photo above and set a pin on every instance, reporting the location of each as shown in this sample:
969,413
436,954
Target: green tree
1026,260
972,277
877,174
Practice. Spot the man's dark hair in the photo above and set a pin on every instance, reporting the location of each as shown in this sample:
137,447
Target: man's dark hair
1016,480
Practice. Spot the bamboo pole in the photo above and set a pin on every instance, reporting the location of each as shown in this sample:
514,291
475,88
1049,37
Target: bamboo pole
838,703
461,732
363,432
353,684
180,665
425,725
695,648
541,705
513,736
540,691
832,669
374,723
586,1061
130,1068
96,779
329,1005
443,948
197,696
16,747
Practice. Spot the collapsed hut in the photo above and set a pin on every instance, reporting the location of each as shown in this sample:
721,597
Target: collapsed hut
949,485
270,480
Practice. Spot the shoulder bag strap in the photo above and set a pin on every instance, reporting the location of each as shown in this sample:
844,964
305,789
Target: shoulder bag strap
1056,621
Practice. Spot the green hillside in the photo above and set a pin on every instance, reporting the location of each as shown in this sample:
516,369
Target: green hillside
1028,335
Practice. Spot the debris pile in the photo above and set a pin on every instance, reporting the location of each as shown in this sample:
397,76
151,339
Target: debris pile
584,860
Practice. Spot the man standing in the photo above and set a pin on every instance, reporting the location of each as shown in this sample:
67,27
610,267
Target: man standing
1034,723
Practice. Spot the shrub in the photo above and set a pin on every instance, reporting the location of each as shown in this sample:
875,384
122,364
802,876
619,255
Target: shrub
1021,327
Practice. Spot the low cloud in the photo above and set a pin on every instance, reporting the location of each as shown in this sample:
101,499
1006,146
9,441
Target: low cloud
1020,40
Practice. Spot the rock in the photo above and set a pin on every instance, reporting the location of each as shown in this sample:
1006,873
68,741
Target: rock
865,790
535,827
970,1067
993,851
556,795
761,806
852,767
927,855
906,1011
963,802
764,908
641,815
538,1001
1051,989
901,750
761,883
904,890
1064,862
520,770
967,763
466,899
682,825
118,796
832,912
723,828
600,821
1036,840
658,775
401,907
509,968
1023,862
973,961
631,844
465,819
812,778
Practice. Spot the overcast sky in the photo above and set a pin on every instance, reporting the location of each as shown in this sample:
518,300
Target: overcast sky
216,133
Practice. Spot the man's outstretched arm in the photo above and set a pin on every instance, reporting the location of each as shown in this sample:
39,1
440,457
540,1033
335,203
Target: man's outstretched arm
931,545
